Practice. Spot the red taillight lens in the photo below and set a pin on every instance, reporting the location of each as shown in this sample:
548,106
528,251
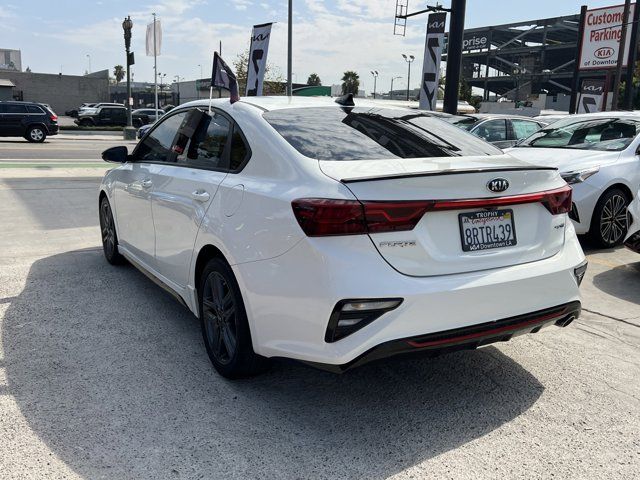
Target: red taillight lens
321,217
394,216
558,201
54,118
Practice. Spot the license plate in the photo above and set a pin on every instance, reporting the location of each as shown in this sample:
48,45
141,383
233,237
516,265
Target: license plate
487,229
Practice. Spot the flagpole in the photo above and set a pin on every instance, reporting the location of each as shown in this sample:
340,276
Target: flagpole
155,64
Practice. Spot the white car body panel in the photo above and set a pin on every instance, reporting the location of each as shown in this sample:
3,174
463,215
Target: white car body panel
290,282
617,168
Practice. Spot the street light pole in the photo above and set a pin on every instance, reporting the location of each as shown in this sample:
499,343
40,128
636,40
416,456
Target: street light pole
198,82
408,59
290,49
391,92
177,79
129,132
89,57
375,79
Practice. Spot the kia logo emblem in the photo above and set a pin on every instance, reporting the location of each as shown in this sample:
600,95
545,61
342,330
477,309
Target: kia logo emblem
498,185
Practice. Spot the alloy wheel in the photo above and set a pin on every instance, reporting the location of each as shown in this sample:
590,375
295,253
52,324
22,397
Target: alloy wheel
219,314
36,134
613,220
108,228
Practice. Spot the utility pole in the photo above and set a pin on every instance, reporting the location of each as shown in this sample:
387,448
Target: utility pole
290,50
454,55
623,42
129,132
631,61
391,92
409,60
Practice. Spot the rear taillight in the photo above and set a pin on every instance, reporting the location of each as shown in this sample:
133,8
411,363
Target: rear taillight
321,217
54,118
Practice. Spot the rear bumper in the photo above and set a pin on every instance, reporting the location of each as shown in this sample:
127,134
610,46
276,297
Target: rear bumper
466,338
289,299
53,129
585,198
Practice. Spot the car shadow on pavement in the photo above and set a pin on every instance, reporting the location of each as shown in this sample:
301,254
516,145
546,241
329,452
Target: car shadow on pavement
111,373
620,282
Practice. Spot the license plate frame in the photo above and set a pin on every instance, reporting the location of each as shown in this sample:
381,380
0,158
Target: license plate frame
486,219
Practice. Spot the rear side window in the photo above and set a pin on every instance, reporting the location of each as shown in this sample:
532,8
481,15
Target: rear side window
156,147
492,130
15,108
34,109
352,133
239,150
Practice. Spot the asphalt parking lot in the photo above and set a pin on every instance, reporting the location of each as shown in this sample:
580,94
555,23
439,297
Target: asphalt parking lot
103,375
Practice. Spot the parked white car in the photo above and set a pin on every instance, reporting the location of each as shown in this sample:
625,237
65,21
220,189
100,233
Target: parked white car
337,234
632,242
597,154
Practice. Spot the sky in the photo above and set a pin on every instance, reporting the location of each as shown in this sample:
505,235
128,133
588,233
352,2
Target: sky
330,36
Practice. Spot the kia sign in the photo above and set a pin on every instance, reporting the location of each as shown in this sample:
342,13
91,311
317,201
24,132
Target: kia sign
591,96
431,65
601,38
258,59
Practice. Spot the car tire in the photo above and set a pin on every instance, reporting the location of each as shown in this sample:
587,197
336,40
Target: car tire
136,123
36,134
225,328
609,222
85,123
109,235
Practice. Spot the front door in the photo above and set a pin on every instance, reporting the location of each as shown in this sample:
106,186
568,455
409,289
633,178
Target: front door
135,186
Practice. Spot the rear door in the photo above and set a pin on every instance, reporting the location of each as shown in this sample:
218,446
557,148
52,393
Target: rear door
185,189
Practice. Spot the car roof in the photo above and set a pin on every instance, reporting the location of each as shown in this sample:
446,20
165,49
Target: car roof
284,102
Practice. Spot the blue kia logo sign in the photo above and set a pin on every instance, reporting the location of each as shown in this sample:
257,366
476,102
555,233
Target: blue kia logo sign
498,185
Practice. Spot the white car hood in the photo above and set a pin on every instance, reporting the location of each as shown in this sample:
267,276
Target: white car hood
564,159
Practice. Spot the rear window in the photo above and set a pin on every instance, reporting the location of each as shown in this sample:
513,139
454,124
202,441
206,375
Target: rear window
34,109
352,133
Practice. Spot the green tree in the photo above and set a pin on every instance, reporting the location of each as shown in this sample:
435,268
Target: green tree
314,80
118,72
350,82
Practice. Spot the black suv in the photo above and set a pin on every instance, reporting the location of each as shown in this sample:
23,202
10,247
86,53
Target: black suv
110,116
33,121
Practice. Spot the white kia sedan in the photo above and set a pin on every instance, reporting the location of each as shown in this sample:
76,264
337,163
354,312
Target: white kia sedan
597,154
336,234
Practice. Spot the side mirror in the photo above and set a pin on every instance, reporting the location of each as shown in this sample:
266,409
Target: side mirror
116,155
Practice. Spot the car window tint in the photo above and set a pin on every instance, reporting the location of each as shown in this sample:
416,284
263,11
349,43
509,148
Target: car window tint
604,134
15,108
156,147
206,148
524,128
492,130
335,133
34,109
239,149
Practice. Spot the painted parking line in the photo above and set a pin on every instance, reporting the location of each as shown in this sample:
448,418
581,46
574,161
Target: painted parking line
53,165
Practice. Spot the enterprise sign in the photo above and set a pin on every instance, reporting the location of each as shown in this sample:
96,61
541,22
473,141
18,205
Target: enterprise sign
601,38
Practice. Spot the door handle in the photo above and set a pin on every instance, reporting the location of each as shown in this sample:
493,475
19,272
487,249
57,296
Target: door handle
200,195
146,183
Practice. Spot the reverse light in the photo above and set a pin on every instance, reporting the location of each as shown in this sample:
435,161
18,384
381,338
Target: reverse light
579,176
349,316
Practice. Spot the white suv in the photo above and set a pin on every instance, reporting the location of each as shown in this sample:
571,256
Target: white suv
337,234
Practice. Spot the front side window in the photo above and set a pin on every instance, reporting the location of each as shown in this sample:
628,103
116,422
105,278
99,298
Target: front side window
492,131
524,128
603,134
156,147
356,133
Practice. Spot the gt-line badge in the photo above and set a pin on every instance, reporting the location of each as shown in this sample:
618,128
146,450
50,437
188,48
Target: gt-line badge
400,243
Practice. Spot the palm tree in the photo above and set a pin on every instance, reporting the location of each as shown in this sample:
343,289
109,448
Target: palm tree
314,80
350,82
118,72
